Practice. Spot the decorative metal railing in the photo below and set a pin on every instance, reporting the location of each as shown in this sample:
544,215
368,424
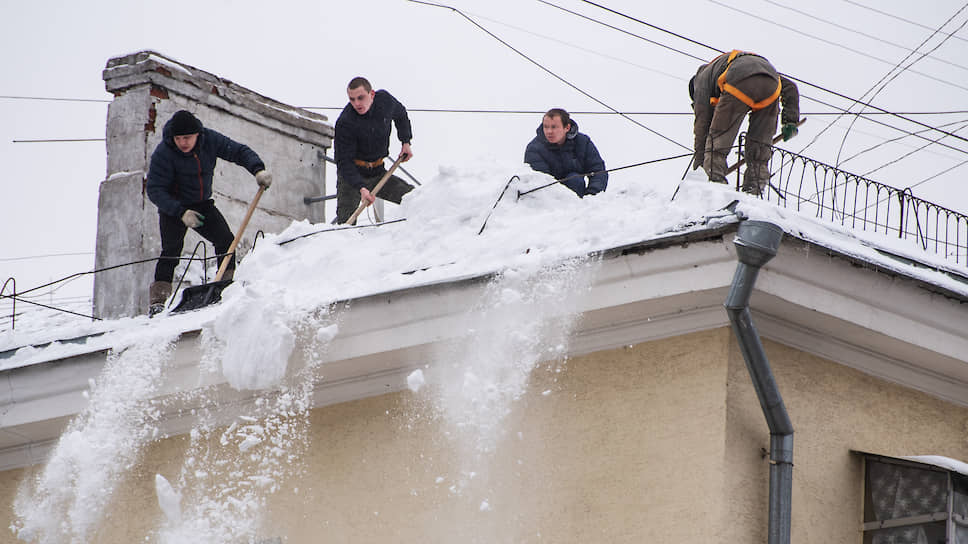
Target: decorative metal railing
834,195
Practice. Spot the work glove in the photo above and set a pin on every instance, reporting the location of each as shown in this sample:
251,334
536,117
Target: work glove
192,219
263,178
789,130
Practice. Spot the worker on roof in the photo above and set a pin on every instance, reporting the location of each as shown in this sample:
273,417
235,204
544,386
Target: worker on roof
179,183
362,142
722,93
558,149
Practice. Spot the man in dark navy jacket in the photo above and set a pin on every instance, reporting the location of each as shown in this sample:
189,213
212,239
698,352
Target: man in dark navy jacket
567,155
180,184
363,142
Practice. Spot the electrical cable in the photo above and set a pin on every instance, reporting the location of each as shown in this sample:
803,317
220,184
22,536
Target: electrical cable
908,154
622,30
796,79
858,32
578,112
895,76
30,257
652,26
8,97
616,169
550,72
892,140
59,141
926,27
835,44
573,46
945,171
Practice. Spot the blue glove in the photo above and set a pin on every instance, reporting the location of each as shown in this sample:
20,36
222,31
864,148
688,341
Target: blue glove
789,130
575,182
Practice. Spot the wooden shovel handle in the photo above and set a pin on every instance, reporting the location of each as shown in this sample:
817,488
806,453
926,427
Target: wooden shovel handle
238,237
776,140
382,182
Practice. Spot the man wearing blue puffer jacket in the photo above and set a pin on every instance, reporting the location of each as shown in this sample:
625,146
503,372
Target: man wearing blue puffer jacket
567,155
180,184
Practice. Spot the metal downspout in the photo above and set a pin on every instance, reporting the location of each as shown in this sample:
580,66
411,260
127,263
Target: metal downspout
756,243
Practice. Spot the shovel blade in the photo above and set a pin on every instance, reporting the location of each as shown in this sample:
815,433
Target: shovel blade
199,296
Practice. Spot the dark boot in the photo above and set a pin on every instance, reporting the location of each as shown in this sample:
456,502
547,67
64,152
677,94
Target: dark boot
158,293
715,166
756,177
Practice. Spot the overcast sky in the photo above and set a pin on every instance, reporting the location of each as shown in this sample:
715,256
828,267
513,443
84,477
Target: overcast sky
303,53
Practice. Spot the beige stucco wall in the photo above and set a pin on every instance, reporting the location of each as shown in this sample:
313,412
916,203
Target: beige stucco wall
658,442
834,410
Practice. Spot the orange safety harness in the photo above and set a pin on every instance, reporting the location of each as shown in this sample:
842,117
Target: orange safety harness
740,95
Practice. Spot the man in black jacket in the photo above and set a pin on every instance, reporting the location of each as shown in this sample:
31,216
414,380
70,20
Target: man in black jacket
180,184
363,142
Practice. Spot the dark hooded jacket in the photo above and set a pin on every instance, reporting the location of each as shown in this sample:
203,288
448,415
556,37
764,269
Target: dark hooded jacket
367,137
176,179
577,155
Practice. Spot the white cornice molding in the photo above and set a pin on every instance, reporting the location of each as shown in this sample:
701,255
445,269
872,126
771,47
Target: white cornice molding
886,325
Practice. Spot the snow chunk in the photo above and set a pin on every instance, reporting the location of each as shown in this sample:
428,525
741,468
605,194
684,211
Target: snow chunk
258,341
415,380
168,499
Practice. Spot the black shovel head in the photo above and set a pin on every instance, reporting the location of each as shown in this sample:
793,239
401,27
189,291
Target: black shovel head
199,296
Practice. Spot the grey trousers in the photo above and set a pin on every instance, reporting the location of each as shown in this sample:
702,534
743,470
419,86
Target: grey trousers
727,118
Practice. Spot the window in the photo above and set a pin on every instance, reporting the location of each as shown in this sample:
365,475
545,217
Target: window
907,502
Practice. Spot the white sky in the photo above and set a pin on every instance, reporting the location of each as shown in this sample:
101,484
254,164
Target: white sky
303,53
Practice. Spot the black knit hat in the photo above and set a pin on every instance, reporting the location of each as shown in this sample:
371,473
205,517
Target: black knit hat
184,123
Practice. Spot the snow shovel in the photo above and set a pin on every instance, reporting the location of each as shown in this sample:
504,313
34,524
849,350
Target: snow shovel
379,185
199,296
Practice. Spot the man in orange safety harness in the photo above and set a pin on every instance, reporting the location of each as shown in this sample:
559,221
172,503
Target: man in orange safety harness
722,92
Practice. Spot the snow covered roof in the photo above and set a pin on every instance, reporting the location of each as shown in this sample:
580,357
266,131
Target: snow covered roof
436,237
631,265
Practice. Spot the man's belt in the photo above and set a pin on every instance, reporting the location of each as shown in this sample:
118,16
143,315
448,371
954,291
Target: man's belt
374,164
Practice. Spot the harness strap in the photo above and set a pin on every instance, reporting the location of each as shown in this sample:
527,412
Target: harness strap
740,95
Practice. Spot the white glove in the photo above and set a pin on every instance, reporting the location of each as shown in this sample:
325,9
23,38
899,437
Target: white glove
192,219
263,178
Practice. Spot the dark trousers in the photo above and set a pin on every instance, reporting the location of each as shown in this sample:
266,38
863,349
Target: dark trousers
215,229
348,197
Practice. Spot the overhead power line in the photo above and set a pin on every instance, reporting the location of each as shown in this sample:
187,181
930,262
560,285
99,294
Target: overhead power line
601,112
802,81
891,75
49,141
833,43
571,45
892,16
908,154
622,30
892,140
550,72
49,98
31,257
860,33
